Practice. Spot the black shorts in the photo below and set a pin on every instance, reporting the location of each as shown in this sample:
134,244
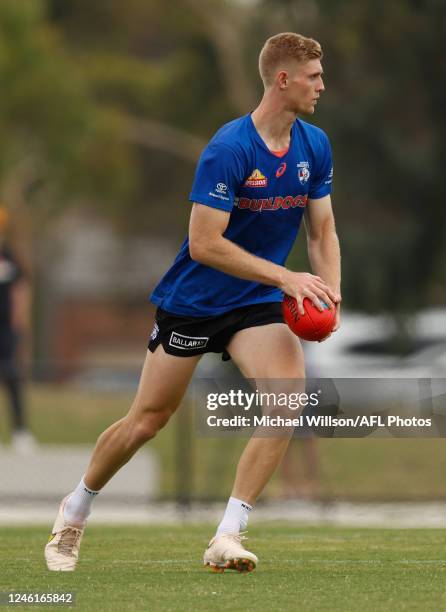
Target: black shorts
187,336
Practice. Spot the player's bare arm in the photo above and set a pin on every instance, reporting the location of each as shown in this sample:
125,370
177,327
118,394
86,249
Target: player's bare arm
323,246
208,246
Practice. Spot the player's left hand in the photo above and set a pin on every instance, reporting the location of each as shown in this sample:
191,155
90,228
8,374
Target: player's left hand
337,324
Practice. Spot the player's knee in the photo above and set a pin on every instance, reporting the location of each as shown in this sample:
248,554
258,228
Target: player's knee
148,424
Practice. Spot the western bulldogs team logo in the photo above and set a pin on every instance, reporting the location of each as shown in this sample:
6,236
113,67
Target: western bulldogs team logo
303,172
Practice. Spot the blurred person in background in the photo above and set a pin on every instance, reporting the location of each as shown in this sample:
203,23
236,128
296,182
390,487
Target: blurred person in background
299,470
14,331
300,467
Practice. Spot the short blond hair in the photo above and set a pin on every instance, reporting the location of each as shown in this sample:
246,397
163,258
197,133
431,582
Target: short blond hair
284,46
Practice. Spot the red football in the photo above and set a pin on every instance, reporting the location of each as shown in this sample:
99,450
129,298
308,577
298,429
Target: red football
314,325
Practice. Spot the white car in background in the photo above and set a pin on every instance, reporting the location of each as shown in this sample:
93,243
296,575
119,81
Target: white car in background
354,351
366,374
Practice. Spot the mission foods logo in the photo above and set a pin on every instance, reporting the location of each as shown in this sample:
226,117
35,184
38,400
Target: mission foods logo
257,179
187,343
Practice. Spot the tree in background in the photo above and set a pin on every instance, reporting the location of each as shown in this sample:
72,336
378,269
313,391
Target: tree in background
384,111
108,104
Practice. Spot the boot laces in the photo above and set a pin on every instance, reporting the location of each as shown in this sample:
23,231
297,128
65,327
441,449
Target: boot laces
238,537
68,540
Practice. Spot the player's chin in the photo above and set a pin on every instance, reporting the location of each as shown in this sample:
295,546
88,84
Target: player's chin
306,110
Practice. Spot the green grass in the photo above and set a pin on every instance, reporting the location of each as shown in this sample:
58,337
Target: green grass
310,569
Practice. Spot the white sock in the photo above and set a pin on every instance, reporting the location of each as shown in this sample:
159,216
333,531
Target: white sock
78,506
235,518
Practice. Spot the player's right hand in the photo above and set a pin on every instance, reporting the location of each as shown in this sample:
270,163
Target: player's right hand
301,285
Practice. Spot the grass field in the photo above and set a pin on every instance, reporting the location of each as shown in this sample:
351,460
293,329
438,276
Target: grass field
308,569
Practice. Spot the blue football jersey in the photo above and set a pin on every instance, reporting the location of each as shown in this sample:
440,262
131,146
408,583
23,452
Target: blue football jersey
266,197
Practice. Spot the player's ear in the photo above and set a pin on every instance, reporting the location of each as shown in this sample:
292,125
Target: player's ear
282,78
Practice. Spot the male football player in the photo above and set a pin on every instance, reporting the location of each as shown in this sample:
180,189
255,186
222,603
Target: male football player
255,181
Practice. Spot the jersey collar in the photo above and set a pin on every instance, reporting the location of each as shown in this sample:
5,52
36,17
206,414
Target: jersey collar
260,140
